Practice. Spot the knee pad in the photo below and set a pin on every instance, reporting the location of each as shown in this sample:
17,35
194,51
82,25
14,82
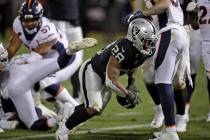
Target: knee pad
179,81
179,85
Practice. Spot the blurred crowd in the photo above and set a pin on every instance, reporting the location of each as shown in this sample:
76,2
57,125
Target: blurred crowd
97,15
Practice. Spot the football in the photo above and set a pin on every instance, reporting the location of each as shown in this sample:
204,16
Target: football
123,102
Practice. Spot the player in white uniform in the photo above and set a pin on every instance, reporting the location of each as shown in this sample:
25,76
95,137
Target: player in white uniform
68,23
195,49
45,43
168,55
204,25
36,33
179,86
6,123
17,80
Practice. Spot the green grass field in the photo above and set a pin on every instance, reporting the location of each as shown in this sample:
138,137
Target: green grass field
118,123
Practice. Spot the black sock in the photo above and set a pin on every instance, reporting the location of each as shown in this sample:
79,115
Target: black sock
190,89
208,83
79,116
180,99
153,93
36,86
79,106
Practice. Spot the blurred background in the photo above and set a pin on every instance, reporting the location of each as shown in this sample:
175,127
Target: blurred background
104,16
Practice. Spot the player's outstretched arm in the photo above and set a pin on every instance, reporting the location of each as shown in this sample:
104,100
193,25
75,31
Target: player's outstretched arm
112,75
14,45
159,7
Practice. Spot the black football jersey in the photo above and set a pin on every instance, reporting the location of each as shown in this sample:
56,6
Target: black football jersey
125,53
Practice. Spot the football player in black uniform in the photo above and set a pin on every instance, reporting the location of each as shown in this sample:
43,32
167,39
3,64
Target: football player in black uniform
121,57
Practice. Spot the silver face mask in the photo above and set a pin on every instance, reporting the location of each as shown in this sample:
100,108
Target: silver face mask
3,55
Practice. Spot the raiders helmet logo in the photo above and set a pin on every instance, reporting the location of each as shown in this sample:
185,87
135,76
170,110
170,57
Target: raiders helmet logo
135,31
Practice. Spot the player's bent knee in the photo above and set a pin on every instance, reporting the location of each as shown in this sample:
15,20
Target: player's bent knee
179,86
41,125
179,82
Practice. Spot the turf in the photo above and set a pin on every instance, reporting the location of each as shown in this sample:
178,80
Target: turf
118,123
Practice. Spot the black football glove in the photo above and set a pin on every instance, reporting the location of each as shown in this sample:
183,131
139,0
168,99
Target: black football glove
132,87
132,97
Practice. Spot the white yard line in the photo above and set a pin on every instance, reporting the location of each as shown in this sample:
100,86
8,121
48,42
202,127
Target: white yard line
198,118
96,130
128,113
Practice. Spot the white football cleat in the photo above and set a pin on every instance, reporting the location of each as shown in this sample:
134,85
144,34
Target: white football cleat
158,119
187,117
181,123
167,135
62,132
76,46
208,118
68,110
60,136
5,124
1,130
46,111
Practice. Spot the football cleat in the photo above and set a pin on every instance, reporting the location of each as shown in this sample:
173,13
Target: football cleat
166,135
9,125
208,118
46,111
60,136
68,110
187,117
62,132
158,119
83,44
1,130
181,123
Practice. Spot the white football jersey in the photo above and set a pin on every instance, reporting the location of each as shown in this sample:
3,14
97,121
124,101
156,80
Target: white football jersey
204,18
47,32
173,14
